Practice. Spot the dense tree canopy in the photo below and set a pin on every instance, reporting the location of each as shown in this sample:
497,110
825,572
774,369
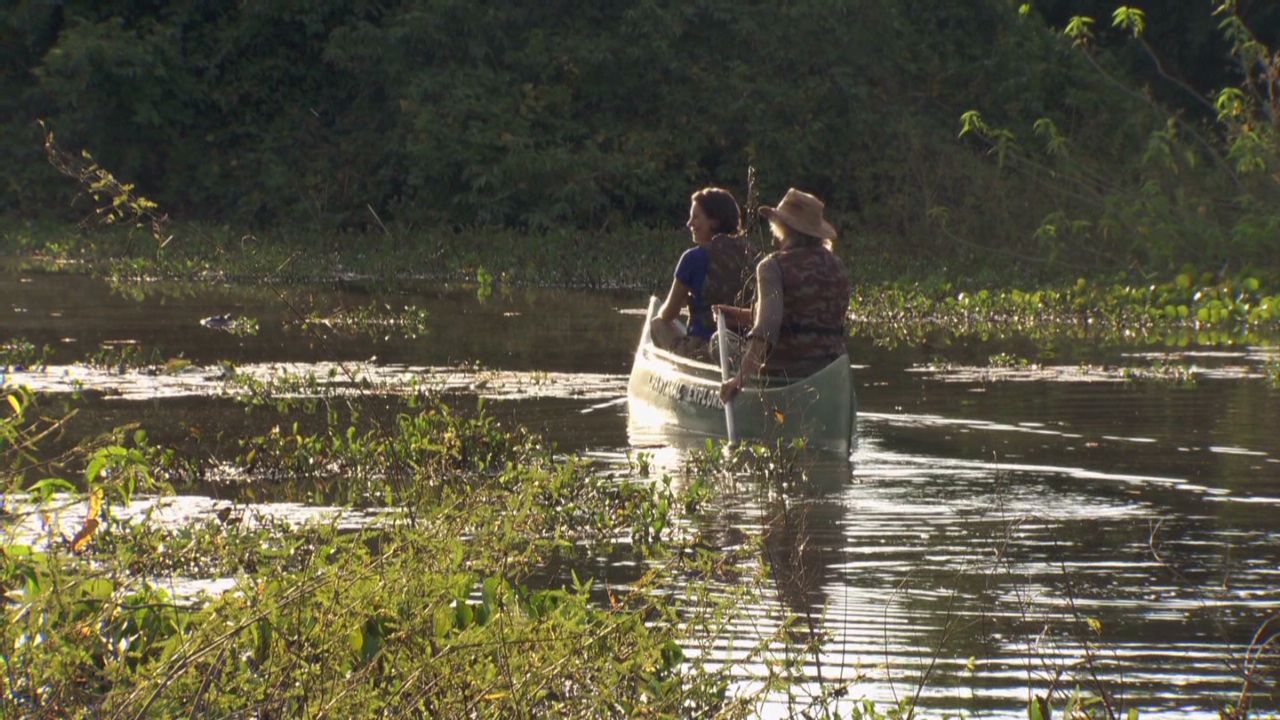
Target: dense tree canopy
596,115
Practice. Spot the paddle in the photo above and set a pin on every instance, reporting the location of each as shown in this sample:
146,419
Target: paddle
723,334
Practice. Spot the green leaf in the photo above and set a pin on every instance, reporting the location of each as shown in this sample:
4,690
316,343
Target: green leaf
489,592
972,122
1129,18
443,621
1038,709
1078,28
262,641
47,487
371,639
99,589
463,615
1230,103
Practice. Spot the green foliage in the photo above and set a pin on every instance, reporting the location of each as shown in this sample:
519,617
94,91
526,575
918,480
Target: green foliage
1192,307
559,120
117,201
628,257
373,320
1163,189
1005,360
1078,706
1163,371
868,710
343,113
1129,18
434,608
20,353
119,357
243,326
1078,29
14,433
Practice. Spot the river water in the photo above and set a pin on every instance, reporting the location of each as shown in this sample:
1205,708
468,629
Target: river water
993,531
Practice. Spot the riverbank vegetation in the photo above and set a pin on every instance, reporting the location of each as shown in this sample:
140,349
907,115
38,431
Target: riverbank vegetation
456,598
455,571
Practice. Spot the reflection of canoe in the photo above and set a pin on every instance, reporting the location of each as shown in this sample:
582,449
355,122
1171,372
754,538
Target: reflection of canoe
668,389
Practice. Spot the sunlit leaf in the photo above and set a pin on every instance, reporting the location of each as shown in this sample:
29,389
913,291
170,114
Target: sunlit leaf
80,542
972,121
1038,709
1078,28
1129,18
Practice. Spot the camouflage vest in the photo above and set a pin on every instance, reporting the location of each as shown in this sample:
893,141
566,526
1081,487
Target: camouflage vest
815,300
730,273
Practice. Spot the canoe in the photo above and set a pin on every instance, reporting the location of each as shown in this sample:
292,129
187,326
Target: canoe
667,389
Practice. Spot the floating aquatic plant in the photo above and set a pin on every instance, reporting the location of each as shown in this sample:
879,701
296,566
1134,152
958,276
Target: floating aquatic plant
1189,309
378,320
20,353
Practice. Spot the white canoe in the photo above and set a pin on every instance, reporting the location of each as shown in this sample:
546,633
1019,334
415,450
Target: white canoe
668,389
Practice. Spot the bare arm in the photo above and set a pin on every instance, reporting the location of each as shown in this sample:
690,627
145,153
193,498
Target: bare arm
677,299
735,317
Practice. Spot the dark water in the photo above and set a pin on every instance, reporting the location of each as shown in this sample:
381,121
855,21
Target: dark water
991,531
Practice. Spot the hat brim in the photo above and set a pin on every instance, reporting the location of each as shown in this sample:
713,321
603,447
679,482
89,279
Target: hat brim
822,230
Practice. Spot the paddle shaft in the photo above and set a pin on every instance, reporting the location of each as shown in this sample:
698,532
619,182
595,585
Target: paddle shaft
723,335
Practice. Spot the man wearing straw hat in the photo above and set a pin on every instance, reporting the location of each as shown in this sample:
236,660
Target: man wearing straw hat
802,293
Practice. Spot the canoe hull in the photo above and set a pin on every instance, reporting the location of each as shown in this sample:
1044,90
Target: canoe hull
671,390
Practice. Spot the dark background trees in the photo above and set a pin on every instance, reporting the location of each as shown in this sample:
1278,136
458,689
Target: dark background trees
599,115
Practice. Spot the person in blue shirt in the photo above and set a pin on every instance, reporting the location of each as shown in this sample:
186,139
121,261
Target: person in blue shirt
717,270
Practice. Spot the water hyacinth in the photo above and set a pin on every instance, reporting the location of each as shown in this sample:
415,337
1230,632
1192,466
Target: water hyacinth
1203,310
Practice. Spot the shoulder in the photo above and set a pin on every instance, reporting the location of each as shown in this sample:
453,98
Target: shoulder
696,255
770,266
692,263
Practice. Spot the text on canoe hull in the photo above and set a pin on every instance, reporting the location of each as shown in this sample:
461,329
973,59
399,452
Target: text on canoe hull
701,395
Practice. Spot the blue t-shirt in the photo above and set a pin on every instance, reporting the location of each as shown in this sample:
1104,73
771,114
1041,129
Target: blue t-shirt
692,271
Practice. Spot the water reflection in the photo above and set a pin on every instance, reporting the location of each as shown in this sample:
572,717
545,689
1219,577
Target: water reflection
969,581
793,501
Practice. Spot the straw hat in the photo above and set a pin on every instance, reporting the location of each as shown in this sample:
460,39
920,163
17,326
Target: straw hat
801,212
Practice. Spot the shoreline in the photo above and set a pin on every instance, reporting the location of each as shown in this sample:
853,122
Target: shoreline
896,305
